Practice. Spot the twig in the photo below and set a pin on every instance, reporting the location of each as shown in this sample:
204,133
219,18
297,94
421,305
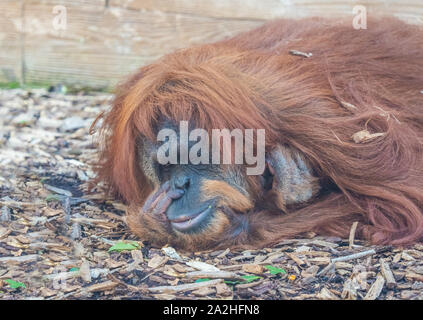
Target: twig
62,275
224,253
90,221
322,243
354,256
61,191
19,205
145,277
325,270
387,273
336,137
185,287
299,53
352,234
296,259
113,278
202,266
213,275
79,290
67,209
26,258
106,241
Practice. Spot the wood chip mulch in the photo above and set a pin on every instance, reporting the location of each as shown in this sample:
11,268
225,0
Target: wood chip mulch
57,241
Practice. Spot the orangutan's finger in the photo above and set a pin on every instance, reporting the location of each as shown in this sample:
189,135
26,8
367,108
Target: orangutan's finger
153,199
166,200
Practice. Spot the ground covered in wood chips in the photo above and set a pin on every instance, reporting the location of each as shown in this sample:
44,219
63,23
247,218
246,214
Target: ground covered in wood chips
59,242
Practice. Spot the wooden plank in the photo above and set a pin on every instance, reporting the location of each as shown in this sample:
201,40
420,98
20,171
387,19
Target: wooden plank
10,53
234,9
53,55
102,45
269,9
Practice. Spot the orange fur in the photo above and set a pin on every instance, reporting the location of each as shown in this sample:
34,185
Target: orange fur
252,81
229,196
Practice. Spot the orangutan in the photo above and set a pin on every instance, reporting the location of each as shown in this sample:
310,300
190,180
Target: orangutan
342,111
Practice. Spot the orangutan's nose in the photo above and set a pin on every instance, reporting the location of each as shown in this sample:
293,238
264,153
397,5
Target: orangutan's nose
181,182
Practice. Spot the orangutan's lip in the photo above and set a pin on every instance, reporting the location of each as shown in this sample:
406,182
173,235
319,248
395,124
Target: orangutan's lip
185,223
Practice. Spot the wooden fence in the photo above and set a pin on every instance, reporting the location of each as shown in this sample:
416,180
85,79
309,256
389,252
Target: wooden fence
96,43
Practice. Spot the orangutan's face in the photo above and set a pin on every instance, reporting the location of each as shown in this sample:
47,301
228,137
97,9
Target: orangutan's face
192,198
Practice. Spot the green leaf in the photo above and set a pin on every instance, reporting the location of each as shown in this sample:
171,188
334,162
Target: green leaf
247,279
122,246
15,284
202,280
274,270
251,278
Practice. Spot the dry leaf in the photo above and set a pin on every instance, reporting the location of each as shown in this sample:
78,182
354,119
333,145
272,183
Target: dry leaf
137,256
375,289
253,268
157,261
171,253
365,136
103,286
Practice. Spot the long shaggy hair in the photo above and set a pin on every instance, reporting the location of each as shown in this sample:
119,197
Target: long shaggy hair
367,81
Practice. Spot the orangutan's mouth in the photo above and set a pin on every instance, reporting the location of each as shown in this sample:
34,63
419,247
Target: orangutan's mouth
191,222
